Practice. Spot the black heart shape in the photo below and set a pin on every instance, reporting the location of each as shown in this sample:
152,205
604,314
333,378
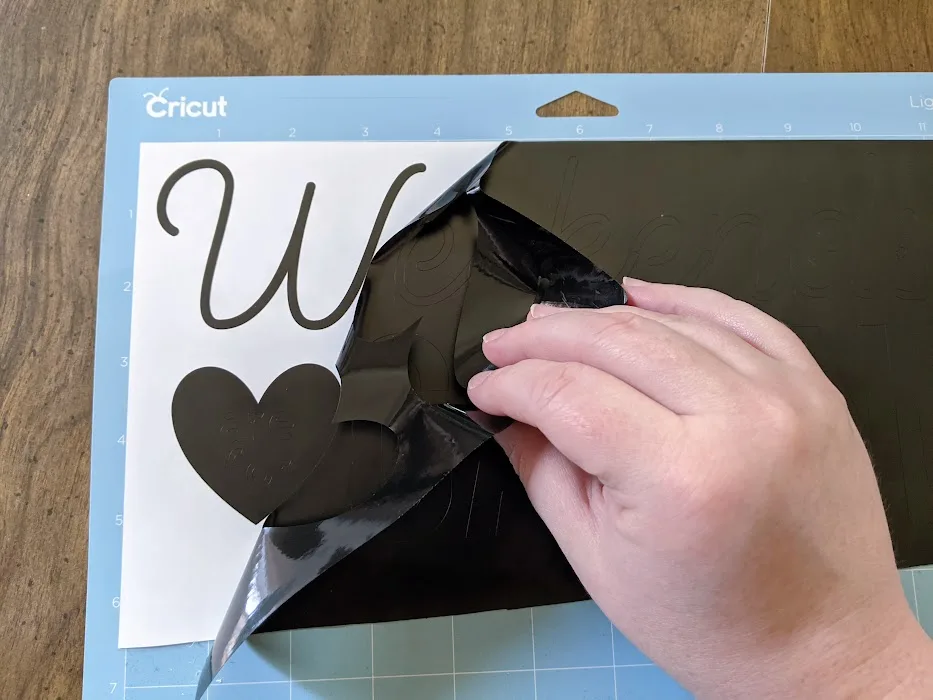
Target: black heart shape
254,455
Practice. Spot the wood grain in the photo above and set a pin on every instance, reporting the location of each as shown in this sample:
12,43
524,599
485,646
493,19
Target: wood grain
850,35
56,57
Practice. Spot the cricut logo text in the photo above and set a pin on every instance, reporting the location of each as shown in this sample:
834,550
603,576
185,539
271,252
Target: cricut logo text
158,106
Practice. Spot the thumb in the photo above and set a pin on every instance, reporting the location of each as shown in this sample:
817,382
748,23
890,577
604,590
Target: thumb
557,488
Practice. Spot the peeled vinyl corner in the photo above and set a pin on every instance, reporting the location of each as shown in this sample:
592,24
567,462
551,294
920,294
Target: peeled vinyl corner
830,237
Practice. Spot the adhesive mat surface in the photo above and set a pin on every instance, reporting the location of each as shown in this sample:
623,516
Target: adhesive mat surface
699,213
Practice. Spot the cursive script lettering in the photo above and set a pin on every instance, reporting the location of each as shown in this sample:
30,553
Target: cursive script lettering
287,270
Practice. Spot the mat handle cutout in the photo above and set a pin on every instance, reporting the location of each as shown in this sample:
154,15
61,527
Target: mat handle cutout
577,104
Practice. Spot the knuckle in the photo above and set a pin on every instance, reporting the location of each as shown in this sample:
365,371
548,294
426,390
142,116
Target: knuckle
821,401
785,426
561,396
553,392
828,399
826,404
612,328
617,336
781,417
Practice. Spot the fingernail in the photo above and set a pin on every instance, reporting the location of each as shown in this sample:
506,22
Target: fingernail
477,379
542,310
492,335
632,282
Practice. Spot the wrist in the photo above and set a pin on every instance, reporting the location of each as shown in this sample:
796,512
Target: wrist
885,656
912,675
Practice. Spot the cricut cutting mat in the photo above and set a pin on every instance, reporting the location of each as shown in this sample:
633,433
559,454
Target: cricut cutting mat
566,652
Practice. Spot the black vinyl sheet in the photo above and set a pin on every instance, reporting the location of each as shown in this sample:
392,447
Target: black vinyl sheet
834,238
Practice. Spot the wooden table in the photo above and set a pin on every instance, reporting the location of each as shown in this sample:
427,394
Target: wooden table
56,57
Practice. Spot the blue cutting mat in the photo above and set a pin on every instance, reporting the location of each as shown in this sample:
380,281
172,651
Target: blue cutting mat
561,652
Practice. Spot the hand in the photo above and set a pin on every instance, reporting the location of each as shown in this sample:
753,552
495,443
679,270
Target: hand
706,482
